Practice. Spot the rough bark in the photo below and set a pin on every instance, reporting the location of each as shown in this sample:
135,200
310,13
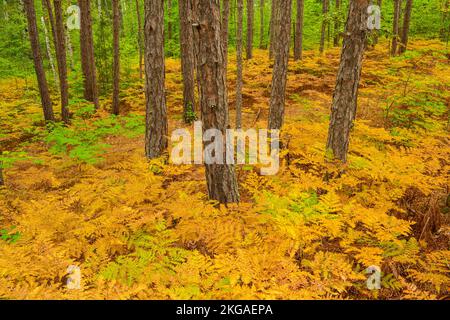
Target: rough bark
116,56
87,53
37,58
140,44
261,26
239,80
298,44
337,25
280,68
156,111
395,24
225,21
60,45
250,14
405,29
343,109
187,57
324,25
221,178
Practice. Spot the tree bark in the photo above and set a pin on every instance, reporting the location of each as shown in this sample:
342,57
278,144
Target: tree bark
187,57
395,24
156,112
239,80
324,25
273,27
405,29
37,58
116,56
261,30
337,25
280,68
250,12
49,52
343,109
61,59
87,53
139,20
298,44
225,20
221,178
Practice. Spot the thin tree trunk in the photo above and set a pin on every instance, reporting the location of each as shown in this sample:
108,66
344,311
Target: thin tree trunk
250,12
273,27
156,114
280,68
324,25
40,73
395,25
187,58
225,21
261,30
337,25
221,178
343,109
62,59
87,53
49,52
406,23
139,20
70,49
239,80
298,44
116,56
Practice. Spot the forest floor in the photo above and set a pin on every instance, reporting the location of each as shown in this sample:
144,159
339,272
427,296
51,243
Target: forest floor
86,196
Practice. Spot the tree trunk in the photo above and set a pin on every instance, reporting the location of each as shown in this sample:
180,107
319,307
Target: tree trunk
395,24
116,58
273,27
49,52
70,49
156,114
405,29
250,11
187,58
343,109
61,59
337,25
239,80
225,18
324,25
40,73
261,30
139,20
298,44
280,68
87,53
220,177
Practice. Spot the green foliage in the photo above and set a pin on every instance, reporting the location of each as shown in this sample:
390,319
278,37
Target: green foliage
9,235
82,141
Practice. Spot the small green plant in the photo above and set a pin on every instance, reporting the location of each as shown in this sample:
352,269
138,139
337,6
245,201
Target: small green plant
9,235
190,115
